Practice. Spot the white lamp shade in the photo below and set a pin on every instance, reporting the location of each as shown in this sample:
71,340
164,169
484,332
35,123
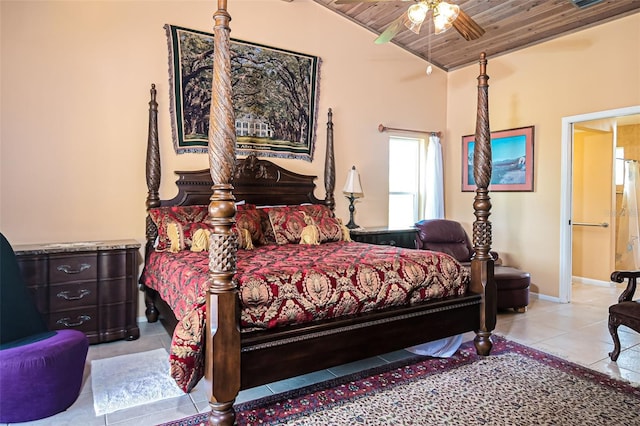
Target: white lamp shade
352,186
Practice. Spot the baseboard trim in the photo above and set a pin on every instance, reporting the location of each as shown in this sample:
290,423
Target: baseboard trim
590,281
545,297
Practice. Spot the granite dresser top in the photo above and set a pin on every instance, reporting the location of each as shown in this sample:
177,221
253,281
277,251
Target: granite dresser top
76,246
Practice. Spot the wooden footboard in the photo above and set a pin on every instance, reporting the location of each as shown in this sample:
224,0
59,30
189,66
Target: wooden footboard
235,361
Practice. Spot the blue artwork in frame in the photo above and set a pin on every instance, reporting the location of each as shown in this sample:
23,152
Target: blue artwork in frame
511,160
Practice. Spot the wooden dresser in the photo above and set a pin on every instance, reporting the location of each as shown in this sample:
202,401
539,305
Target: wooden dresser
384,236
87,286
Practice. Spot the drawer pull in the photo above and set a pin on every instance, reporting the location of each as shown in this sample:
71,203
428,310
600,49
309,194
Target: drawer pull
65,321
82,293
68,270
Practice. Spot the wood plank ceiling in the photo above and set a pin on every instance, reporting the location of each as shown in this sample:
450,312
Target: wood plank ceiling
510,25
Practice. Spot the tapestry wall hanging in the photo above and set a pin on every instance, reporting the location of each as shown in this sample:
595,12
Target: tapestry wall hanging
274,96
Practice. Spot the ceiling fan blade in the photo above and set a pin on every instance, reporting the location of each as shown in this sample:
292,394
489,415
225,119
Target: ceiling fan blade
467,27
391,31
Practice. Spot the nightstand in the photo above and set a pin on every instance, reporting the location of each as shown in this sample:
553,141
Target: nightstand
384,236
88,286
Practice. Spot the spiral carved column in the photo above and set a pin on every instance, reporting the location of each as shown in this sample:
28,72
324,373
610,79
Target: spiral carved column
222,365
329,166
153,174
482,266
153,164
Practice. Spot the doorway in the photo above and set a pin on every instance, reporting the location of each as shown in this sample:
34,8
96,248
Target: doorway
569,126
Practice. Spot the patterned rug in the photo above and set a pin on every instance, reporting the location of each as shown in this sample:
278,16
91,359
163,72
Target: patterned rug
517,385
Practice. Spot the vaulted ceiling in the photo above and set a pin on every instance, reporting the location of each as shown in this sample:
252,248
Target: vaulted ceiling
509,24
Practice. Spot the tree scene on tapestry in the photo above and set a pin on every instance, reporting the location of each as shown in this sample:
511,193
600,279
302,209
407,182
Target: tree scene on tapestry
273,95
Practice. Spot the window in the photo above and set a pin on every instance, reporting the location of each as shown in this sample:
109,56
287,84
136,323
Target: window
407,159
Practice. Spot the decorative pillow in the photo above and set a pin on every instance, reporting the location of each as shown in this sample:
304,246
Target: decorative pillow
346,234
316,211
331,229
244,238
176,237
287,224
245,206
200,240
202,236
249,219
162,216
181,235
265,224
310,234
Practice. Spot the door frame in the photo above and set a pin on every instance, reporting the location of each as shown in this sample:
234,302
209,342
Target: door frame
566,190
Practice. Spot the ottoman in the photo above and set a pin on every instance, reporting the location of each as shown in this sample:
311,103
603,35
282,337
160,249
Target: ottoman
513,288
41,378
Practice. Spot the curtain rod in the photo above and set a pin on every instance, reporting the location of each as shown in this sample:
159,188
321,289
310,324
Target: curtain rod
382,128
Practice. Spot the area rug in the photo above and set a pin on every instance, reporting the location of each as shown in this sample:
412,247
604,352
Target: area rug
129,380
516,385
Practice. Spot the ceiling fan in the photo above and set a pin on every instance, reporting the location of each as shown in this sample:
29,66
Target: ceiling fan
445,16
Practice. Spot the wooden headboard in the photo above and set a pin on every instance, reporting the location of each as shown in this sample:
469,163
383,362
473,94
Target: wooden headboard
255,181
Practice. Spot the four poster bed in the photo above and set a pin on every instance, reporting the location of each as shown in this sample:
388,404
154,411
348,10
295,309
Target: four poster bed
249,304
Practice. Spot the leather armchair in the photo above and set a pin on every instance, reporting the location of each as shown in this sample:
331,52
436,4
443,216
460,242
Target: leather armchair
447,236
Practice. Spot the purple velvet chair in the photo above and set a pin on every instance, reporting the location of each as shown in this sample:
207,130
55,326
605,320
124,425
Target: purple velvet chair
40,370
448,236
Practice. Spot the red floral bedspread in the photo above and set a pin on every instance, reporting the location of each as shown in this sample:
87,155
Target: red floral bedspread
293,283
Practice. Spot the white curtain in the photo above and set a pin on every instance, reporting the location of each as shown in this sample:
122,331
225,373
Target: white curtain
628,245
434,200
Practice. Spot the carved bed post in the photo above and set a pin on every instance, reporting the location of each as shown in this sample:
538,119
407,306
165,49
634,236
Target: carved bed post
482,280
152,172
222,364
330,166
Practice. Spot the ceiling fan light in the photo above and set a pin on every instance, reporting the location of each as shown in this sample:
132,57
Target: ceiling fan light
448,11
440,25
417,13
413,26
416,16
443,16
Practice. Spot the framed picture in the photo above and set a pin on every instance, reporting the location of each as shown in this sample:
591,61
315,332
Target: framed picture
274,96
511,159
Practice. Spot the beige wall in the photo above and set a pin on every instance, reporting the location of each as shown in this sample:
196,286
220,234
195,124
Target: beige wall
593,70
75,80
75,93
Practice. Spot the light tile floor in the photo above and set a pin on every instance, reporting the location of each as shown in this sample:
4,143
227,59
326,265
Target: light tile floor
577,332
